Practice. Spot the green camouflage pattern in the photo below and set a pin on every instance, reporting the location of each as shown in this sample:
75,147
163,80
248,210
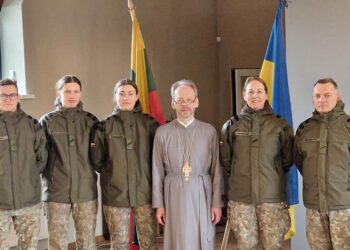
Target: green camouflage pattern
264,224
118,220
26,222
84,217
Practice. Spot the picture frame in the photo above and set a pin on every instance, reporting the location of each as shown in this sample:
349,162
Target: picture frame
238,78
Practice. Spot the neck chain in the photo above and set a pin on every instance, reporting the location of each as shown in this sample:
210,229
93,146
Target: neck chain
186,168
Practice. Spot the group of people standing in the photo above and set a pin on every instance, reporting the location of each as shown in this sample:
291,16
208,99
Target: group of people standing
172,174
258,148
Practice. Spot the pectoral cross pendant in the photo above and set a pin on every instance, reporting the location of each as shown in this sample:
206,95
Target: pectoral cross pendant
186,170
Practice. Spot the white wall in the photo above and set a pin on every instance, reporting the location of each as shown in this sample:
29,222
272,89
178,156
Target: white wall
317,37
12,45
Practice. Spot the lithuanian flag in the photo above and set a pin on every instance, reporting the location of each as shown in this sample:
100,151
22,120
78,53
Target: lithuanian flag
274,73
141,72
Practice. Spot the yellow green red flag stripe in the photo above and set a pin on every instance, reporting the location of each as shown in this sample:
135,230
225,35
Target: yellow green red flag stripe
141,72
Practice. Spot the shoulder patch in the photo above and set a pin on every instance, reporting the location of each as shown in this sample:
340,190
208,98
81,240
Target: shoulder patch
228,124
35,121
281,118
50,115
90,115
302,125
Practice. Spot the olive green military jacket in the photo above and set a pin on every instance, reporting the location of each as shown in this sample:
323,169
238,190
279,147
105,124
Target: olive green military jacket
69,176
256,151
322,155
23,155
123,154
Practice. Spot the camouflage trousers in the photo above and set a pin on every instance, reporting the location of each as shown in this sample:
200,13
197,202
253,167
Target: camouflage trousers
26,222
328,230
118,220
265,223
84,217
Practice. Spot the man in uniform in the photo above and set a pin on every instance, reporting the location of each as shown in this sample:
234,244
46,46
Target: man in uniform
23,156
322,155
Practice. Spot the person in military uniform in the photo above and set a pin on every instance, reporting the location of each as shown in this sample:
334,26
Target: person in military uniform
23,157
122,152
322,155
256,152
69,181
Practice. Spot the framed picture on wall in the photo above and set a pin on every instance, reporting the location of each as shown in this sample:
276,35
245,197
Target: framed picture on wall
238,77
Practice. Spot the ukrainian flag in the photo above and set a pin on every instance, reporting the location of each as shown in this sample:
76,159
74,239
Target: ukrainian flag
141,72
274,72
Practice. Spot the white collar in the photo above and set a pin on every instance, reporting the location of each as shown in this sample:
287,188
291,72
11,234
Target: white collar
185,125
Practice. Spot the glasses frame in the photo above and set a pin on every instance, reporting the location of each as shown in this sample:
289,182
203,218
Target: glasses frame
185,102
11,97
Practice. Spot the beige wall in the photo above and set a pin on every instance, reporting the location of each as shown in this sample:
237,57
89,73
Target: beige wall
92,40
83,37
244,28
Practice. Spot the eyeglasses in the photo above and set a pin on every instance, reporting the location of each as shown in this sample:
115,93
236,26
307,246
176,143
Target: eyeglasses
11,97
181,101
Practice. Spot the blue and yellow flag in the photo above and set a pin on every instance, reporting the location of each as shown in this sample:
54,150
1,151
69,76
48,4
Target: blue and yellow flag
274,73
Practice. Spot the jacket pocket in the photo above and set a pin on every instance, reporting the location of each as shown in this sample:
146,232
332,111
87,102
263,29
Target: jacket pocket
242,133
116,143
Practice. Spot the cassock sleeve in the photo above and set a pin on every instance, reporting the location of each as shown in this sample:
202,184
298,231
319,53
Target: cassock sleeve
216,173
157,173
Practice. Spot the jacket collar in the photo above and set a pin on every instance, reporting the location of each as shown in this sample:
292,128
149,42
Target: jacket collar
137,109
331,115
60,108
11,116
247,111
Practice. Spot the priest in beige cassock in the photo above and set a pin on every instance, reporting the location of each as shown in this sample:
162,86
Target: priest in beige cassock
187,179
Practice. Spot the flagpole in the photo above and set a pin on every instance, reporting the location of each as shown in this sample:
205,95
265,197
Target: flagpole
132,8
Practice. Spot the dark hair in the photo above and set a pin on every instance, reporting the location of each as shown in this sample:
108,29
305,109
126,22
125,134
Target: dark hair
8,82
63,81
325,81
254,78
124,82
67,79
